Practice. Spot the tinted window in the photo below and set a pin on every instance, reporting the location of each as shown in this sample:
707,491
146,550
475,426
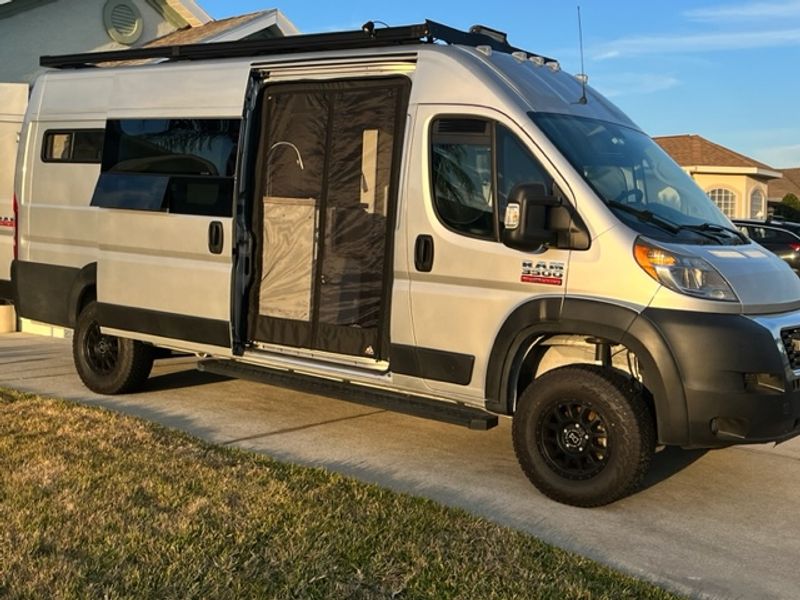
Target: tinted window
771,235
515,166
73,146
475,165
461,166
183,166
778,235
172,146
635,178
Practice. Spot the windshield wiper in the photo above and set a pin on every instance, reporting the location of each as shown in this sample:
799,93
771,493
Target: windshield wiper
646,216
706,230
714,228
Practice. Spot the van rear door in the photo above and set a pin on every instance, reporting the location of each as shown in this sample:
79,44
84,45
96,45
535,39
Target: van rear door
13,101
165,202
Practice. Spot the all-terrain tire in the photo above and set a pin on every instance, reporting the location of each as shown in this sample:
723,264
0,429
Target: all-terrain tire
590,405
107,364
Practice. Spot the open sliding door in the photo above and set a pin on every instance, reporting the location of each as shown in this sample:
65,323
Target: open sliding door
324,214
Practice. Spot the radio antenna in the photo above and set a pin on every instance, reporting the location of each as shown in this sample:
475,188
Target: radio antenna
582,76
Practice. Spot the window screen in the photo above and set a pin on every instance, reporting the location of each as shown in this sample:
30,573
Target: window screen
73,146
183,166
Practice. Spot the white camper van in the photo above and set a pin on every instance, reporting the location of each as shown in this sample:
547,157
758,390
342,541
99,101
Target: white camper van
13,101
417,216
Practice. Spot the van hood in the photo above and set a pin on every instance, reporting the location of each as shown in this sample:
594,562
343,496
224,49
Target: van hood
763,282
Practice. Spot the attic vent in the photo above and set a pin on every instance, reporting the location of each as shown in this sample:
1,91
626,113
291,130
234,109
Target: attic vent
123,21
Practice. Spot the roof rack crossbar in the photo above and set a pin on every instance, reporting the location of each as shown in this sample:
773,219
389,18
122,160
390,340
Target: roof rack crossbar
369,37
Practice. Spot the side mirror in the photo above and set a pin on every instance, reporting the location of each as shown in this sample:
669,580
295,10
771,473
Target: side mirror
534,219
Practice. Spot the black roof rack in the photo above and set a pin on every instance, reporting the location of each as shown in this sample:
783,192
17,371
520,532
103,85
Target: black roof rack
367,37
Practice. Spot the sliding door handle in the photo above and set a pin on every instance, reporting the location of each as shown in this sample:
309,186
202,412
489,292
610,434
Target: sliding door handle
215,238
423,253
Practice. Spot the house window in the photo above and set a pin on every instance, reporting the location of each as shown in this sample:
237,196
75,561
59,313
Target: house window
725,200
757,204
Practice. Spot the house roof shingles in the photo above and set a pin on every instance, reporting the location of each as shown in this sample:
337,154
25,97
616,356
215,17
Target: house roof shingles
695,150
789,184
196,35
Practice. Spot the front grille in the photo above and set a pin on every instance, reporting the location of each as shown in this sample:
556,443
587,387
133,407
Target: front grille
791,343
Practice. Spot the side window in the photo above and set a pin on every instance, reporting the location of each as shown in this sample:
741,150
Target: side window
515,166
461,173
73,146
475,165
784,236
183,166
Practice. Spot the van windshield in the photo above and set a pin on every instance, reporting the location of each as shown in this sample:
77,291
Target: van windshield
638,181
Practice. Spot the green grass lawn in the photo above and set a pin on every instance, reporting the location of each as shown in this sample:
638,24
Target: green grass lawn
95,504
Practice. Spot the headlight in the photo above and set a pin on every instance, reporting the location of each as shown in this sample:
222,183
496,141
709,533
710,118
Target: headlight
684,274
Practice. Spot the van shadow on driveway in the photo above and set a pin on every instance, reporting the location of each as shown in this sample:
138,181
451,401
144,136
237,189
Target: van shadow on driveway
669,462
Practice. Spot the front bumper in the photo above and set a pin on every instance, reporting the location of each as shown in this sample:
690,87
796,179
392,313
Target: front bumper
738,384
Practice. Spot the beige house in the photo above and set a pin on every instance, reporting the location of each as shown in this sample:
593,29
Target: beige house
30,29
736,183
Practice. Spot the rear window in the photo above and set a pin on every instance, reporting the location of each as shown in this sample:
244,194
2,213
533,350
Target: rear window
73,146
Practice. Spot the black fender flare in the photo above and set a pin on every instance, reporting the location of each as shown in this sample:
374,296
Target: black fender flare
85,279
613,322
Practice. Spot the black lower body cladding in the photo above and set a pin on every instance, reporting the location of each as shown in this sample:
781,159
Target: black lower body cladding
6,291
42,292
717,356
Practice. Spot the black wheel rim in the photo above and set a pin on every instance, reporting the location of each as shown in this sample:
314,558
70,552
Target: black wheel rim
574,439
100,351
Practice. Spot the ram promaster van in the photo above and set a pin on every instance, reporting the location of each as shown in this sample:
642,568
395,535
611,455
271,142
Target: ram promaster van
420,217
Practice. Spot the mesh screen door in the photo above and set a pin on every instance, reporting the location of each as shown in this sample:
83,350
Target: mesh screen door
329,162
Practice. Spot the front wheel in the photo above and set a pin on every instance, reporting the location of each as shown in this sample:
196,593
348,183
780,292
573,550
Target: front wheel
107,364
584,435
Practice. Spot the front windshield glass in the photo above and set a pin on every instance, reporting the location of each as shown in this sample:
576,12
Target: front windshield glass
637,180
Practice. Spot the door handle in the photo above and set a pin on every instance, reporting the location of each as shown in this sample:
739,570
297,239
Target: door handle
215,238
423,253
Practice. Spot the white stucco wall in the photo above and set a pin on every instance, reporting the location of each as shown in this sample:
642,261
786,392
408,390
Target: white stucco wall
63,27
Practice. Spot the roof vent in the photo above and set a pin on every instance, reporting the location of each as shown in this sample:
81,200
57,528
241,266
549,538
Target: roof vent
123,21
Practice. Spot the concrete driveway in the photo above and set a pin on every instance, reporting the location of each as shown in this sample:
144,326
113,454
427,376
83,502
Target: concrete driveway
721,524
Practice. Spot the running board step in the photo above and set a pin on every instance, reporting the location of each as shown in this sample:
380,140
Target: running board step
417,406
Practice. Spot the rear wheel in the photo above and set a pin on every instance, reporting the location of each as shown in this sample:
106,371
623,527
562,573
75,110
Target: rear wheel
584,435
107,364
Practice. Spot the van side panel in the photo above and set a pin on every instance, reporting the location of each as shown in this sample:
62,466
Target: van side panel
160,261
152,262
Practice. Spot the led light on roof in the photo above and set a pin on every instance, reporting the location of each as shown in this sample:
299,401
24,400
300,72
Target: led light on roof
487,50
520,56
582,78
537,60
554,66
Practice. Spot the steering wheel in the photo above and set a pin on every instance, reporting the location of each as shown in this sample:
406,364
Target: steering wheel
635,192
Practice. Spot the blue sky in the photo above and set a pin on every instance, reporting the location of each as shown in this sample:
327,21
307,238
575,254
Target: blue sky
729,71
